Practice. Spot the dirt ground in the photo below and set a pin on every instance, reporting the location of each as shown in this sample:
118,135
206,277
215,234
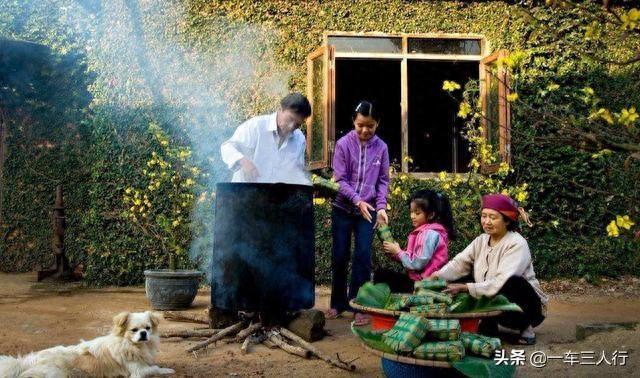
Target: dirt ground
34,316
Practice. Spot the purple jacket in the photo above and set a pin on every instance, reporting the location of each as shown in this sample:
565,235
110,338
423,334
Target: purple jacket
362,172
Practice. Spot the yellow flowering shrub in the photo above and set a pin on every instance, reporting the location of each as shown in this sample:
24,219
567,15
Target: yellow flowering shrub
161,206
621,222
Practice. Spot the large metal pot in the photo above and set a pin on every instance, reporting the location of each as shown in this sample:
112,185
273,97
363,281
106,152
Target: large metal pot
263,249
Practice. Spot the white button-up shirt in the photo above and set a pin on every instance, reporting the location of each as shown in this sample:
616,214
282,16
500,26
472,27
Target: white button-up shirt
257,140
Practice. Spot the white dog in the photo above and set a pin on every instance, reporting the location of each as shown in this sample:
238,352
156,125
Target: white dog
128,351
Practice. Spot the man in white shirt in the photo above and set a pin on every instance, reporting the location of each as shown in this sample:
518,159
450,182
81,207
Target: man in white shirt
270,148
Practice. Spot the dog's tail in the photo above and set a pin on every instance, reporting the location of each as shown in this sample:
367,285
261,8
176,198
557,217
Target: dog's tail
10,367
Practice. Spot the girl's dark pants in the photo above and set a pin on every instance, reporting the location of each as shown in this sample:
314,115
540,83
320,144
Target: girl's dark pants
343,225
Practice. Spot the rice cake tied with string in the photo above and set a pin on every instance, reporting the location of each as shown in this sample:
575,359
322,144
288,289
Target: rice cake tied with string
480,345
430,309
435,284
407,333
440,351
436,296
443,329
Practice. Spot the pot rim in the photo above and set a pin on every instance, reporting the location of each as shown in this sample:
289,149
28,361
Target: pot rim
168,273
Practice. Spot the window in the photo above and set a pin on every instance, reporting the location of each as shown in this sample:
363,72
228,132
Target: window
403,73
319,83
496,121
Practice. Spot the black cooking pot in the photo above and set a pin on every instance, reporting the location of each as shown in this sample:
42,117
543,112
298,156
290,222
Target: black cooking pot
263,249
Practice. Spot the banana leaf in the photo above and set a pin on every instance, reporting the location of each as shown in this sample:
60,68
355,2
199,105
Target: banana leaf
371,295
372,339
475,367
464,302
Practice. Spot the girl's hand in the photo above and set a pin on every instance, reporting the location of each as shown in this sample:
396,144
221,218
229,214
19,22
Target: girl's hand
455,288
392,248
382,218
365,210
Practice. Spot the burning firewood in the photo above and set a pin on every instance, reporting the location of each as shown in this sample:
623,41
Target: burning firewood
248,331
245,345
275,338
218,336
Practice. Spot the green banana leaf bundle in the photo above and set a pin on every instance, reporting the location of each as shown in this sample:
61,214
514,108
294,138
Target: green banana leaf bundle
426,310
407,333
384,233
443,329
436,296
440,351
435,284
325,185
480,345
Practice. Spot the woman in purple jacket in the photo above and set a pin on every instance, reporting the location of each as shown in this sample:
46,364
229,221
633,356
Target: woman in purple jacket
361,167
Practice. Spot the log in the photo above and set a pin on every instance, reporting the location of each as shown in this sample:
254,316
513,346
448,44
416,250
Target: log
309,324
184,316
269,344
275,338
245,345
227,331
307,346
248,331
187,333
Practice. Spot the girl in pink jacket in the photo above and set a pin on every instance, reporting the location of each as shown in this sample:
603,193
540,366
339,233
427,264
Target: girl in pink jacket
428,244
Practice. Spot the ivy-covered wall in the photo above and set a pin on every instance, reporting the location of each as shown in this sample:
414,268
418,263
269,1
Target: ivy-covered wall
207,65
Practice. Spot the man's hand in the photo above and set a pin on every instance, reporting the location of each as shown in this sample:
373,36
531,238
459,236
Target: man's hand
249,170
365,210
455,288
382,218
391,248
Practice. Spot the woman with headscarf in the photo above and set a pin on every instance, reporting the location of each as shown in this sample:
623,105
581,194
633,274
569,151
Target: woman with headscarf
499,261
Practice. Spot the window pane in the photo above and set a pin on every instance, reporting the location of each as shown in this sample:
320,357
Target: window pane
317,116
444,46
366,44
436,141
354,83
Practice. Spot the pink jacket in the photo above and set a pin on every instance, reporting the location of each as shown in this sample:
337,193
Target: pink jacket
427,251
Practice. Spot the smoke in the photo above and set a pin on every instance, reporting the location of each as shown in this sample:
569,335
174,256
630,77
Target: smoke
200,75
